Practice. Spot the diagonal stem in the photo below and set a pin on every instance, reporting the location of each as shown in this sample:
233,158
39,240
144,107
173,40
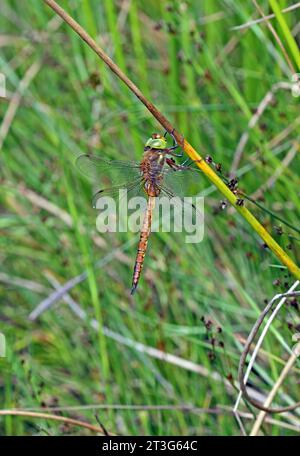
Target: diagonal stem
193,154
286,370
48,416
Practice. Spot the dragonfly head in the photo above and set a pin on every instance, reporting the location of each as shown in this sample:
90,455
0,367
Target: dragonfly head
156,141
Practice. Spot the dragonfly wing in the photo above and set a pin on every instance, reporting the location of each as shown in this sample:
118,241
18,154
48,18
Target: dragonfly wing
182,182
183,216
181,204
133,188
103,170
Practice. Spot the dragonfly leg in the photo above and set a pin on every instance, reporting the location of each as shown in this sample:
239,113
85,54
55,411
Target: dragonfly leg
171,162
175,145
169,151
173,137
188,162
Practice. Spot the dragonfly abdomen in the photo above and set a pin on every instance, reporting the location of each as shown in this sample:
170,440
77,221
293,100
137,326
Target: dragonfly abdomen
139,262
143,242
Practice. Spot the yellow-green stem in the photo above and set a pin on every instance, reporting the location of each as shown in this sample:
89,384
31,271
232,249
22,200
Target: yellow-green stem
286,32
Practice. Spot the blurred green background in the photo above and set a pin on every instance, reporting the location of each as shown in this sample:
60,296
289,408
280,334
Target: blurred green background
197,302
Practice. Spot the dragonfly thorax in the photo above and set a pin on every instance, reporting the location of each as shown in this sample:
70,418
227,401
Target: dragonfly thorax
152,167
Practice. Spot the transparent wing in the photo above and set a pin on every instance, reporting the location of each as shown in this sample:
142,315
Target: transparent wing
102,170
132,188
182,182
177,214
111,177
165,191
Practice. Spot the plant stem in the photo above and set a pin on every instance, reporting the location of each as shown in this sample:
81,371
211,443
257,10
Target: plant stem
193,154
48,416
286,31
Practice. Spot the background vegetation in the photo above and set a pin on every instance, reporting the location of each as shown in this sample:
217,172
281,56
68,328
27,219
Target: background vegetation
195,301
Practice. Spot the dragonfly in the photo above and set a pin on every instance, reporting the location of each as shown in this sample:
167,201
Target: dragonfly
156,174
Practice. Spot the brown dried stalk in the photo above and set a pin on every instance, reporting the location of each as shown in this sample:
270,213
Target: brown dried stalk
48,416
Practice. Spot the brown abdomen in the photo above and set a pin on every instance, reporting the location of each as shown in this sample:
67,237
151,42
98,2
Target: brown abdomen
142,247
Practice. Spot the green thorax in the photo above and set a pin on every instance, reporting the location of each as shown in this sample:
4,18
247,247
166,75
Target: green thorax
156,143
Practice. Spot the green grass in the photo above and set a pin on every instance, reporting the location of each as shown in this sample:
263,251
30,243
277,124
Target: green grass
210,96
